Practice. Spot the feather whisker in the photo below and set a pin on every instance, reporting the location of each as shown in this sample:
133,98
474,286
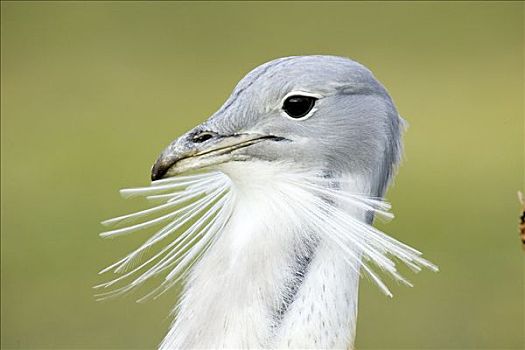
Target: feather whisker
322,208
178,273
126,218
176,252
178,249
153,222
131,192
158,269
190,212
346,231
378,207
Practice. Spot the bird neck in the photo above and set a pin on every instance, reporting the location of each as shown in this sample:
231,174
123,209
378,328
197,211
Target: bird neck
267,283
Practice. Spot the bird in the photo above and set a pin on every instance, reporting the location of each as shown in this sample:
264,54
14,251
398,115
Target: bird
267,210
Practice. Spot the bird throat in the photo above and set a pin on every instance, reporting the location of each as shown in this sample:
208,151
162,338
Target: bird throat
266,282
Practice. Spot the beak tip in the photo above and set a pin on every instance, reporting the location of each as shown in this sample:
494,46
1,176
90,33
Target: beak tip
154,174
158,170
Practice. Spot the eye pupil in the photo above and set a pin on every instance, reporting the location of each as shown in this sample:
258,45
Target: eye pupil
298,106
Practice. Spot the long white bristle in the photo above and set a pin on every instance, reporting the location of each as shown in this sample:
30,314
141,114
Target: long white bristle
199,207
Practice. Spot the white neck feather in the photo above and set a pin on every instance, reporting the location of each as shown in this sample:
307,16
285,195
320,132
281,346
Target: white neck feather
277,254
246,291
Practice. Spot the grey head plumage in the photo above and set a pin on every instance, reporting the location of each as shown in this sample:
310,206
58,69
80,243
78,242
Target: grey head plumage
270,203
354,127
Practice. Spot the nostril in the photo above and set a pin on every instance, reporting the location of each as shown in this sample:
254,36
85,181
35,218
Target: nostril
203,136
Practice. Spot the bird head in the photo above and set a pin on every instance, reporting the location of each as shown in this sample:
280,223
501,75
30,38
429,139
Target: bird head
324,127
325,113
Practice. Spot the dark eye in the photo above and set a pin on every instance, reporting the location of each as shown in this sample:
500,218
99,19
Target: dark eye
298,106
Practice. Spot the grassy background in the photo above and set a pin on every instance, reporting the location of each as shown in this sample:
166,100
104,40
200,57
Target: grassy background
92,92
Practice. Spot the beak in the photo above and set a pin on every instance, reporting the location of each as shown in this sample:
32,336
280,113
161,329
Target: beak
199,150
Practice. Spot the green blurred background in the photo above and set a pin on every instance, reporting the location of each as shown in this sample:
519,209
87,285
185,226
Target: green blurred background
93,91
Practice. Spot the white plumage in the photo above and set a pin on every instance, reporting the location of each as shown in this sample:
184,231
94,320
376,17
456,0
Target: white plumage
270,247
